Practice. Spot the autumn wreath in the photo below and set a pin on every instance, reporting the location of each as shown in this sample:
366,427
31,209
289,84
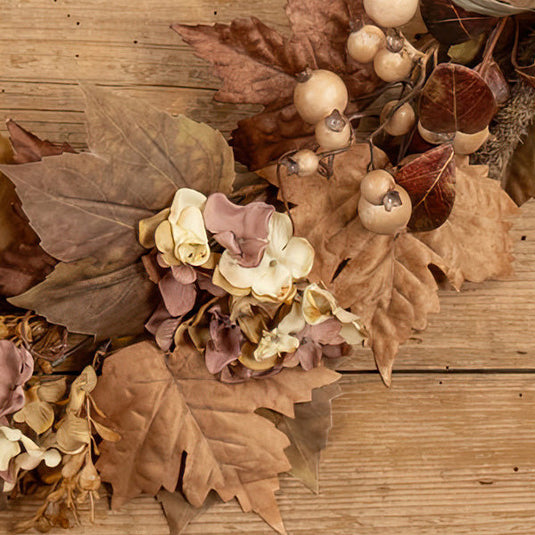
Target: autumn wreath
205,305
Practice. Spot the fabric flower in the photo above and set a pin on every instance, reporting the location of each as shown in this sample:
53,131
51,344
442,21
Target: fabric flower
16,367
225,341
12,460
181,238
285,259
319,305
275,343
242,230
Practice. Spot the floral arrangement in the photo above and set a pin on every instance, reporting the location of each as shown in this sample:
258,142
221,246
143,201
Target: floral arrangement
205,307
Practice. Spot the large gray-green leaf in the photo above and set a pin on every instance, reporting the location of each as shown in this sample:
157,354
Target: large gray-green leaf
81,297
495,8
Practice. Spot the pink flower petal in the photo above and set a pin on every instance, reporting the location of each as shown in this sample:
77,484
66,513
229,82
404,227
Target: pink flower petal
224,346
185,274
179,298
242,230
16,367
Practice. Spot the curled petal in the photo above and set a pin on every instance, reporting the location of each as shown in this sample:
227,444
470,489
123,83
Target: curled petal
309,355
280,233
148,226
179,298
165,243
184,274
235,274
242,230
224,345
274,280
273,344
184,198
16,367
189,235
294,321
8,450
298,256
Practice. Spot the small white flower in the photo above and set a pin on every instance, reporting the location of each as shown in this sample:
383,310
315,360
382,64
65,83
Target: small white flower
319,305
275,343
182,236
10,447
285,260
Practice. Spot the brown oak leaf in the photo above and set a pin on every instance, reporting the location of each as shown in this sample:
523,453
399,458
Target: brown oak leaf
86,208
387,280
167,406
258,66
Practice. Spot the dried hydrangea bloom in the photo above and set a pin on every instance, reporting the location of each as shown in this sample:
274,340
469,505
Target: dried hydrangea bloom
181,237
12,460
16,367
242,230
285,260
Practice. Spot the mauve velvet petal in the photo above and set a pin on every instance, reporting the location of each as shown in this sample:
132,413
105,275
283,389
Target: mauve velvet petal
184,274
16,367
225,344
235,374
205,283
327,332
309,355
249,224
166,332
158,317
179,298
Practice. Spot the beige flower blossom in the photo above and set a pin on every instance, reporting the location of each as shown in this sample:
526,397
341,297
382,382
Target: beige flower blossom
286,259
275,343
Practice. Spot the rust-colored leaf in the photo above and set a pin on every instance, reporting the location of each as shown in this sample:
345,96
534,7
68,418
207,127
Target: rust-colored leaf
451,24
258,65
387,280
164,406
456,98
430,183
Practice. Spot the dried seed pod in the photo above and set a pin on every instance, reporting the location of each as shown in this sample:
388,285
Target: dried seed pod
391,13
303,163
401,121
375,185
391,216
392,66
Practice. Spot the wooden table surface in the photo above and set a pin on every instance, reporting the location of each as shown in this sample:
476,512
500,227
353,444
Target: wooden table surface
450,449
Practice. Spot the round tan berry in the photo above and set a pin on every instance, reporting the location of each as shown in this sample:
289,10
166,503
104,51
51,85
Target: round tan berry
391,216
401,121
469,143
375,185
363,44
435,138
333,132
319,94
391,13
303,163
392,66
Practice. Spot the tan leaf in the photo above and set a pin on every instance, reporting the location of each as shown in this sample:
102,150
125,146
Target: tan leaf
179,512
39,415
164,406
52,391
386,280
520,175
73,434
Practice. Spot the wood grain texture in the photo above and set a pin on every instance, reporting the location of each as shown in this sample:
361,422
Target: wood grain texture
435,455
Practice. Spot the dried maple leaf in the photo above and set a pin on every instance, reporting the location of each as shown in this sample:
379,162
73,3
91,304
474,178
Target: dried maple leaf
258,66
86,207
166,405
23,263
387,280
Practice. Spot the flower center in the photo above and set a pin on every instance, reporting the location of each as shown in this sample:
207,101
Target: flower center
273,263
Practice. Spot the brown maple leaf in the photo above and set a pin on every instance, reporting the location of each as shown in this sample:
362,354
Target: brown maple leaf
23,263
388,281
258,66
164,406
86,208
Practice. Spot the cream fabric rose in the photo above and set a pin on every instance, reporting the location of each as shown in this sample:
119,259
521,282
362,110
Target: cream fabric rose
285,260
319,305
181,238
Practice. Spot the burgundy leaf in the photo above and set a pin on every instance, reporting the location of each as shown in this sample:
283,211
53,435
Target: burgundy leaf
456,98
451,24
492,74
430,183
243,230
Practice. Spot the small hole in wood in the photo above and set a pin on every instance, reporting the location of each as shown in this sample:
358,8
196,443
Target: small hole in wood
440,382
78,23
68,15
76,55
524,238
447,367
135,41
515,469
520,395
215,12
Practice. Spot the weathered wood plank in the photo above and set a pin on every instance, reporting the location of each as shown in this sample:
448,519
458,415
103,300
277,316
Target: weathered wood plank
435,455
